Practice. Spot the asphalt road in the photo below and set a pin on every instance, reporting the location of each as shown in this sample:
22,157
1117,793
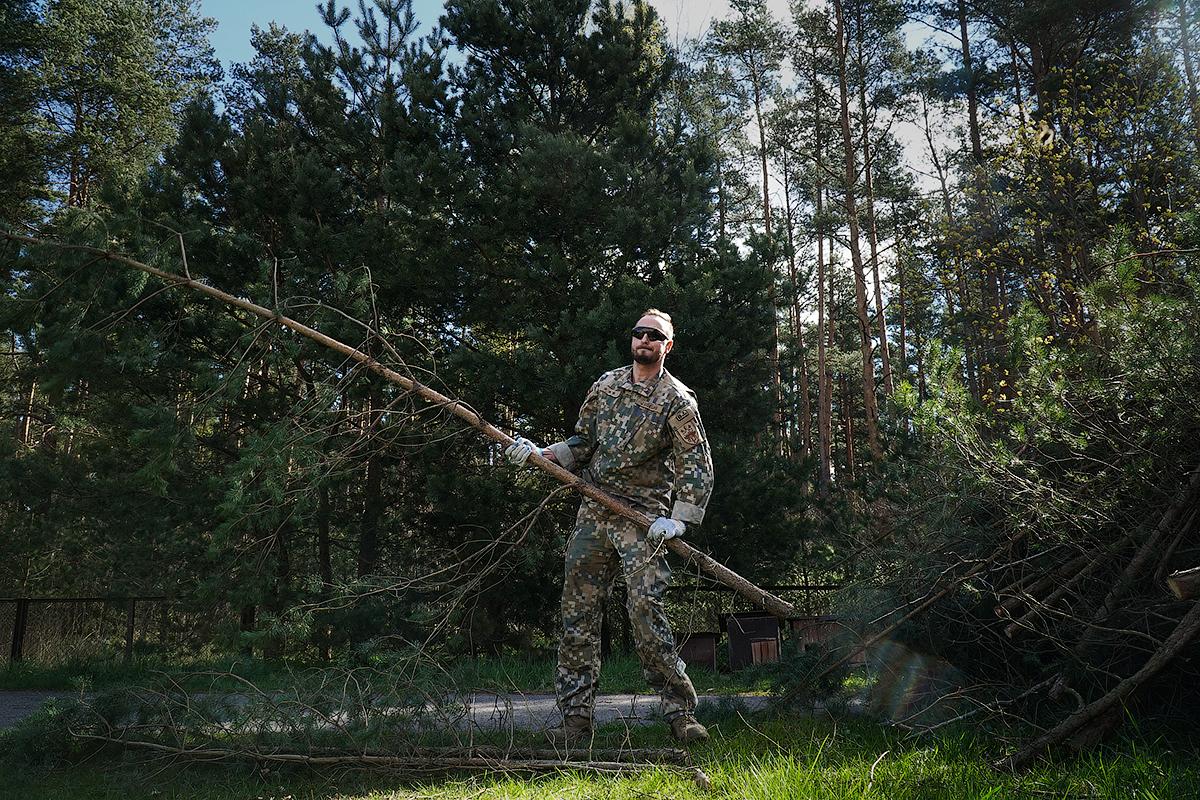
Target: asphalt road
16,706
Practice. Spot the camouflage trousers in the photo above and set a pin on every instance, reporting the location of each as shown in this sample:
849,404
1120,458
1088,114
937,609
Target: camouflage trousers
601,545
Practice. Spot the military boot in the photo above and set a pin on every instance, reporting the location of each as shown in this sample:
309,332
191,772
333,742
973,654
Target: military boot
574,730
686,729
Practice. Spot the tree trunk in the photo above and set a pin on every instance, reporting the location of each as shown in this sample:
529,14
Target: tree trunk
848,421
958,285
368,543
1016,79
903,299
324,569
1189,67
25,420
776,378
797,323
826,373
872,223
870,407
972,89
824,390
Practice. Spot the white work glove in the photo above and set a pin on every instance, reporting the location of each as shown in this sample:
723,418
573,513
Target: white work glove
518,452
665,528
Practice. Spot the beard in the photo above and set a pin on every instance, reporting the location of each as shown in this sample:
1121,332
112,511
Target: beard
644,357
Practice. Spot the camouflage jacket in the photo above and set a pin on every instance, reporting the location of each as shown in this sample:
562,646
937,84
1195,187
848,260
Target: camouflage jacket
644,443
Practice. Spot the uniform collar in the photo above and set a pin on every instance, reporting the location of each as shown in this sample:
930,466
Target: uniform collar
644,389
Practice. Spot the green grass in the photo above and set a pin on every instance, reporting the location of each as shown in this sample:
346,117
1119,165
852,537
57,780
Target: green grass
771,759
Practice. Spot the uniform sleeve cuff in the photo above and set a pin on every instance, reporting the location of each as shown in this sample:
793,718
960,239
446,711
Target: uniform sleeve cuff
687,512
564,456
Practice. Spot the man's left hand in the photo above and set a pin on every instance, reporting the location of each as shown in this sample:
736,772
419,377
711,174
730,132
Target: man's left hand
665,528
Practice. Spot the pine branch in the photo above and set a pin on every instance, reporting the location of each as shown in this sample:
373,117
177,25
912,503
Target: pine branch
435,760
703,561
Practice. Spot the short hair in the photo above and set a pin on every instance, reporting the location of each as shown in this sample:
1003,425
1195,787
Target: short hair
664,316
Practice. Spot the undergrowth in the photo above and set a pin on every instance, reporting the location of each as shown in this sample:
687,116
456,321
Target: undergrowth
769,758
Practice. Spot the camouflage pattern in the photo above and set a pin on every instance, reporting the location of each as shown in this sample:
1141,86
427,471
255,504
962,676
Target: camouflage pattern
602,545
644,443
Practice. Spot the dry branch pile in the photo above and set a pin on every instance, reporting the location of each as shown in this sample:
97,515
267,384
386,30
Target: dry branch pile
363,719
1049,562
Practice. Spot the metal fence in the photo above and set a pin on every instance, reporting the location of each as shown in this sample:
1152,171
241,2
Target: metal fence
49,631
703,614
56,630
701,606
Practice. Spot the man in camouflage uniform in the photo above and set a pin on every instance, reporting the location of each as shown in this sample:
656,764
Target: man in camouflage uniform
639,438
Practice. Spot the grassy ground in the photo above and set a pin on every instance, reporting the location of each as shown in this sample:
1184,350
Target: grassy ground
781,757
792,756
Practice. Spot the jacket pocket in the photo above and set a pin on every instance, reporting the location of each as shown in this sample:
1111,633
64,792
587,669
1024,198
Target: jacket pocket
644,434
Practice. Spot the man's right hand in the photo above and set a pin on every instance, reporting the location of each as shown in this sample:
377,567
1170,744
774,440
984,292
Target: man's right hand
518,452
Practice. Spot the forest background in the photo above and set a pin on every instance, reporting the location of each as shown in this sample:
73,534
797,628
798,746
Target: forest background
959,385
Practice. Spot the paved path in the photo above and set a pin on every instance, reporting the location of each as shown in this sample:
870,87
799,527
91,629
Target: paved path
16,706
537,711
487,711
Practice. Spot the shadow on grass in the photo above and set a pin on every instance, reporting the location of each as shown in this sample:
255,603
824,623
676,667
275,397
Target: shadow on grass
768,756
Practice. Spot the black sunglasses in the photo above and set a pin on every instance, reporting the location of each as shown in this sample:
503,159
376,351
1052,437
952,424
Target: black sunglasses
653,333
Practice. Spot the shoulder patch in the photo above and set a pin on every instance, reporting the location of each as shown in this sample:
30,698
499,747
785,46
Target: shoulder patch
685,425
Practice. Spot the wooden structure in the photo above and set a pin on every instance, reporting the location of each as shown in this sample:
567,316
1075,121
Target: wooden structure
700,649
753,638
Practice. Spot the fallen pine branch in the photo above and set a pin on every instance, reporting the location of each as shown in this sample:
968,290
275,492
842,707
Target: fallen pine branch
423,762
664,755
1183,634
921,606
703,561
1088,642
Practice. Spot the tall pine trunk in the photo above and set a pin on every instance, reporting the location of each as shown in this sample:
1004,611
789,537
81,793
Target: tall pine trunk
831,336
872,223
324,569
972,89
848,422
773,300
368,542
25,419
955,285
824,392
870,405
1189,67
797,324
991,311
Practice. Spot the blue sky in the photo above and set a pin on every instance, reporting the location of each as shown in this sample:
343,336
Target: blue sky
231,39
